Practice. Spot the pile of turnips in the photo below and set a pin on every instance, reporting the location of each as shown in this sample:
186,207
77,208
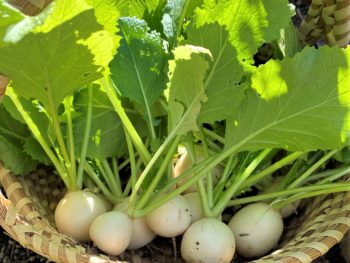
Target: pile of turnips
252,231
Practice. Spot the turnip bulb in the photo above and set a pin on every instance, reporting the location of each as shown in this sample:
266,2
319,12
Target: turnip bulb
111,232
184,163
75,213
141,232
170,219
257,229
208,241
195,206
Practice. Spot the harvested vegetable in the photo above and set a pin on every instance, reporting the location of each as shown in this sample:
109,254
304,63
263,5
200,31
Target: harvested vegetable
85,207
209,241
257,229
111,232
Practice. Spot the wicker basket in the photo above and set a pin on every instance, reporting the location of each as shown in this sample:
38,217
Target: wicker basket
26,212
27,216
327,19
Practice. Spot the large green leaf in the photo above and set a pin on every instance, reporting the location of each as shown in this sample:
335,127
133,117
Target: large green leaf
173,12
50,66
107,134
102,43
186,87
10,128
148,10
12,137
301,103
36,112
138,8
223,84
138,68
249,23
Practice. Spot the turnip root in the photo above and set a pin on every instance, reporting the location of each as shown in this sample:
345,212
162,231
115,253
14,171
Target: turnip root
111,232
195,206
257,229
170,219
141,232
184,163
75,213
289,209
208,241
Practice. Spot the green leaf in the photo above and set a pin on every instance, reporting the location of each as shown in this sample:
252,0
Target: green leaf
193,5
186,87
36,112
107,134
40,66
10,128
104,42
12,136
34,149
138,8
223,84
15,159
171,19
299,104
249,23
138,68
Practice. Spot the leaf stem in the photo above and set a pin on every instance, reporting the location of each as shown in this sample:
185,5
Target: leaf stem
85,139
210,183
146,196
272,168
106,192
68,108
312,169
232,189
114,185
132,159
279,194
117,105
37,135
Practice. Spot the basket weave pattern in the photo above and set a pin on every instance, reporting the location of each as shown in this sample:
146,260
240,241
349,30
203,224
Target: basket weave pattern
327,18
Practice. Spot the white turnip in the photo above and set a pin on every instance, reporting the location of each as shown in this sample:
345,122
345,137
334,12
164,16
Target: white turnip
171,219
184,163
76,211
111,232
208,241
195,206
141,232
257,229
